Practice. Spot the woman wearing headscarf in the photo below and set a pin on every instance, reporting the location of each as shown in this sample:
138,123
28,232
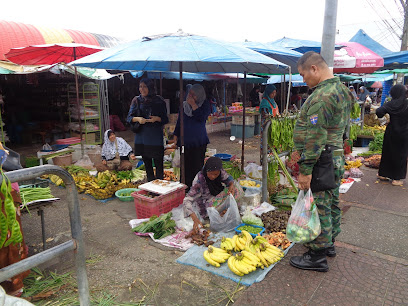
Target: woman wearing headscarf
395,145
196,110
254,96
211,187
149,111
363,94
267,108
115,153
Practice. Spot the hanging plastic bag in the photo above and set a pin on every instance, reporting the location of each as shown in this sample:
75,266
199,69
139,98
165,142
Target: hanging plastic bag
250,218
176,159
252,170
229,221
304,223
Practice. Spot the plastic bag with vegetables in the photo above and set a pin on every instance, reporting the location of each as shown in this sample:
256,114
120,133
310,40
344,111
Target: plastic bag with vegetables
304,223
250,218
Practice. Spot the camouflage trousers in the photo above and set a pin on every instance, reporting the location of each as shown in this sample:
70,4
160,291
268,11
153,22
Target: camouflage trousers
329,211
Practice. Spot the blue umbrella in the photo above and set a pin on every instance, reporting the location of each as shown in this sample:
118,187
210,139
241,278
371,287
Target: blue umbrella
299,45
183,53
196,53
281,54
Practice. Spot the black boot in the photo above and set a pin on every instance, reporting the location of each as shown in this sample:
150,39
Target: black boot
311,260
331,251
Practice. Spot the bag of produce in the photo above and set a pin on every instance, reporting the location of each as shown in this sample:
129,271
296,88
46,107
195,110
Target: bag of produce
252,171
229,221
250,218
304,223
356,173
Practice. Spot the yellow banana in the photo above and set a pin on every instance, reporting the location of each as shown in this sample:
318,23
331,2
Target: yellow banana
249,263
240,267
250,256
247,236
210,260
263,260
232,267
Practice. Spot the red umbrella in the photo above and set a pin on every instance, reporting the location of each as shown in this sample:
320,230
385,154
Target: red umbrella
52,54
377,84
355,58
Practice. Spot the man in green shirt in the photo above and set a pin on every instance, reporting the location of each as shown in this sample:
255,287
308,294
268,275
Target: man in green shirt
322,122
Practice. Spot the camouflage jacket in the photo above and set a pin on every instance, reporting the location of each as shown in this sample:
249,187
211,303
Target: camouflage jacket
323,119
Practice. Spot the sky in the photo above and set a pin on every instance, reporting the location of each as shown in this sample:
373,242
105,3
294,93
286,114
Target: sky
259,20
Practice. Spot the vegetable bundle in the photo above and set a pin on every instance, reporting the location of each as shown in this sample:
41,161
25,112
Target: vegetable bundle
161,227
281,134
10,231
29,194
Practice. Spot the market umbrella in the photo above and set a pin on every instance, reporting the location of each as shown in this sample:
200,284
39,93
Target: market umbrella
183,52
376,84
355,58
49,54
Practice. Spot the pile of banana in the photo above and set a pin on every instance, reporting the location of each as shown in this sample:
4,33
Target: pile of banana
101,187
252,253
215,256
243,263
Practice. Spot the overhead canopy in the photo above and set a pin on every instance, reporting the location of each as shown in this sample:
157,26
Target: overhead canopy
396,60
298,45
196,53
362,38
281,54
297,79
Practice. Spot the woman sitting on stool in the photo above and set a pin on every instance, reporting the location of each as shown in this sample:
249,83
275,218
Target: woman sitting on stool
115,153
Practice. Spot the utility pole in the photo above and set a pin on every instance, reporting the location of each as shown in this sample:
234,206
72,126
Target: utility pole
404,37
329,32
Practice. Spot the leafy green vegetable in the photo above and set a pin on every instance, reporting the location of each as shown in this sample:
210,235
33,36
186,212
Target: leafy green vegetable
377,143
160,226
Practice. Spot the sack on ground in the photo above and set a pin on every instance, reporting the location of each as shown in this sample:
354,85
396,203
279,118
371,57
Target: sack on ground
229,221
85,162
304,223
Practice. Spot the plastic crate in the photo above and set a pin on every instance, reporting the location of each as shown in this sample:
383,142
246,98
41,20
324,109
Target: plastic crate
223,156
147,207
253,235
236,130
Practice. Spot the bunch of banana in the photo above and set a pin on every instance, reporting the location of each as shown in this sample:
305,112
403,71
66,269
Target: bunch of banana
56,180
243,263
268,254
215,256
227,244
240,241
255,244
105,177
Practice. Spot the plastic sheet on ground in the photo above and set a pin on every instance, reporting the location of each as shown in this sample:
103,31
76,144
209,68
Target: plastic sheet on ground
346,185
194,257
176,240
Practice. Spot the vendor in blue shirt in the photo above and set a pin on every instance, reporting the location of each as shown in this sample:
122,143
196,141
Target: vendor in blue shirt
196,110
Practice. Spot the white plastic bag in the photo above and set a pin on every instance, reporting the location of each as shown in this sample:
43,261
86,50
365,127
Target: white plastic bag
263,208
304,223
85,162
250,218
252,170
176,159
229,221
185,224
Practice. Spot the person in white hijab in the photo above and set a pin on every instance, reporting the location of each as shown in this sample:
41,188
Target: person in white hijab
115,153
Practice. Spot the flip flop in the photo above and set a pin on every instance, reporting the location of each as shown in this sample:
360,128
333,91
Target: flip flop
397,183
381,178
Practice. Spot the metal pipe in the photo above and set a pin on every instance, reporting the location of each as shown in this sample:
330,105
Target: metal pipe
289,88
243,125
181,115
74,215
35,260
329,32
265,161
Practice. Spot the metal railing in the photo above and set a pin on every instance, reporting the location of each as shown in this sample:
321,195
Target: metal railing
76,244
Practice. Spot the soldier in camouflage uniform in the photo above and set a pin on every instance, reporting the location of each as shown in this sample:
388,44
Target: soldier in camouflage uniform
322,121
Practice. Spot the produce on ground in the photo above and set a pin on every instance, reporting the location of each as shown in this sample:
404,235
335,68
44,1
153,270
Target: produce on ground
353,164
241,240
373,161
251,219
161,227
243,263
248,183
170,176
284,198
30,194
233,168
200,237
250,229
275,221
10,231
278,239
215,256
227,244
377,143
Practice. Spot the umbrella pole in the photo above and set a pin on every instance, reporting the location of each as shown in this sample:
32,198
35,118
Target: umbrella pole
161,85
243,124
181,115
78,106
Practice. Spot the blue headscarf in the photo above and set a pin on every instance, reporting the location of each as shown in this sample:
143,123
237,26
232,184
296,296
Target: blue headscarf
266,99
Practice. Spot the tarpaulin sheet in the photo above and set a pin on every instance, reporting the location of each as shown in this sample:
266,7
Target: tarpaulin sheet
194,257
